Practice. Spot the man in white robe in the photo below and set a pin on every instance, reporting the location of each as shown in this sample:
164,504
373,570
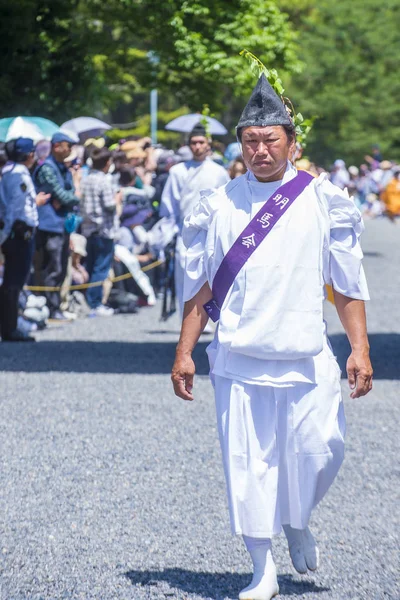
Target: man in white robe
182,192
277,384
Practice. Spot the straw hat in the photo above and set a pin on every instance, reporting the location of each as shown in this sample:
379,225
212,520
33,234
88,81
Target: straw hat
136,153
130,145
99,143
303,164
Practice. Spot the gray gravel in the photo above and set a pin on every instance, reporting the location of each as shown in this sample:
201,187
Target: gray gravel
111,488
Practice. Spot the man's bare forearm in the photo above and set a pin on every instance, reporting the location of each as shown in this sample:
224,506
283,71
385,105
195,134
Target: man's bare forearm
358,366
352,315
194,320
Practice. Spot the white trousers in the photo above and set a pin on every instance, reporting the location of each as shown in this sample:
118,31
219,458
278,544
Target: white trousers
281,449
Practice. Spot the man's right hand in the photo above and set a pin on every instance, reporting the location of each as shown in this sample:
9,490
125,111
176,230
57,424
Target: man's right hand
182,376
76,175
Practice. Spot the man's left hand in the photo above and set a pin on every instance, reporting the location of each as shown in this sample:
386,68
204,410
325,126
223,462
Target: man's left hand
359,373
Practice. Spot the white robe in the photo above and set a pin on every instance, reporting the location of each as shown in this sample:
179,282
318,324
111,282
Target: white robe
277,383
181,193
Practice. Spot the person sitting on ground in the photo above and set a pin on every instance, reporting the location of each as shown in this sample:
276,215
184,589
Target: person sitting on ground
79,274
132,235
73,301
133,251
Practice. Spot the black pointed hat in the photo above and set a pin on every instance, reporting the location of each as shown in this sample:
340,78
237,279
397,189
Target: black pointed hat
198,129
264,108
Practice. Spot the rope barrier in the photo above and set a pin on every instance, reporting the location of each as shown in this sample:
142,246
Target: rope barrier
153,265
85,286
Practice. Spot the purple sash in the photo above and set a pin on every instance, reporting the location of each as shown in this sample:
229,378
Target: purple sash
251,237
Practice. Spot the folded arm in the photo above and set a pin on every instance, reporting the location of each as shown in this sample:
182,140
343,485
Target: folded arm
47,178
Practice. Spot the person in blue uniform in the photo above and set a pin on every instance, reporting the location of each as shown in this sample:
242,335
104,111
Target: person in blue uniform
18,222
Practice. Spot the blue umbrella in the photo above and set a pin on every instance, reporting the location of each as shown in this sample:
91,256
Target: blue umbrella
185,124
35,128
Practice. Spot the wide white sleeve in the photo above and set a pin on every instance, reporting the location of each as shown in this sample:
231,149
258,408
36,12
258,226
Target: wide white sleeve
345,271
194,235
171,197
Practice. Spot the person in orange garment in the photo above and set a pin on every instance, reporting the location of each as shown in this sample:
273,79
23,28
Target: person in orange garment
391,195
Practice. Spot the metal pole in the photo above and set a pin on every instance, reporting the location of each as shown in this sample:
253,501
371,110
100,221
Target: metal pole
153,115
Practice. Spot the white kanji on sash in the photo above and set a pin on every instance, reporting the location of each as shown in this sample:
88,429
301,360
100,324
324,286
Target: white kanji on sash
248,240
280,200
264,220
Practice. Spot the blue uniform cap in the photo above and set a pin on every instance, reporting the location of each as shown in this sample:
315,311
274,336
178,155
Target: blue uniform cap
59,136
24,145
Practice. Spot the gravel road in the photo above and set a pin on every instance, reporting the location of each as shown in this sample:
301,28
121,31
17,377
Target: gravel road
112,489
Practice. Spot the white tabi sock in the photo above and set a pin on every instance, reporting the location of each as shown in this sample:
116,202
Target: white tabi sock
302,549
264,584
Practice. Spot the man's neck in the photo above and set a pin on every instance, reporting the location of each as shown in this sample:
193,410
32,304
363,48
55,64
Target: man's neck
200,159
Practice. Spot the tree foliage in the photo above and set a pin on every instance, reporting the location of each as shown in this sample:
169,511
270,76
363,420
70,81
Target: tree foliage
350,81
67,56
204,40
46,64
62,58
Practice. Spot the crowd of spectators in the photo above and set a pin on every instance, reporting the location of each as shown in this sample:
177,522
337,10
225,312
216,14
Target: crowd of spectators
81,222
374,185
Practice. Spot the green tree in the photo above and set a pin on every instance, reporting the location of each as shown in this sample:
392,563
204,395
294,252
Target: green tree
46,67
68,56
350,80
200,53
190,50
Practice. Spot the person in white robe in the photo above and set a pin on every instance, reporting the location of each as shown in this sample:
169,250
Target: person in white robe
277,383
182,192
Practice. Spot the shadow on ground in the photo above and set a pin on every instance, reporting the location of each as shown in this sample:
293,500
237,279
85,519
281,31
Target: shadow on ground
385,354
95,357
373,254
157,357
216,585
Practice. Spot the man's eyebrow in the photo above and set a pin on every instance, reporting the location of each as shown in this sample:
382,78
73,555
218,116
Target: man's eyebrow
266,136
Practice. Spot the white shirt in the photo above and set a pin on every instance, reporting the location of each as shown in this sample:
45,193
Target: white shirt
184,184
271,329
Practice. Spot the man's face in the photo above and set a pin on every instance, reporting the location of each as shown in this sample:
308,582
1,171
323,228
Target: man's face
200,147
266,151
61,150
